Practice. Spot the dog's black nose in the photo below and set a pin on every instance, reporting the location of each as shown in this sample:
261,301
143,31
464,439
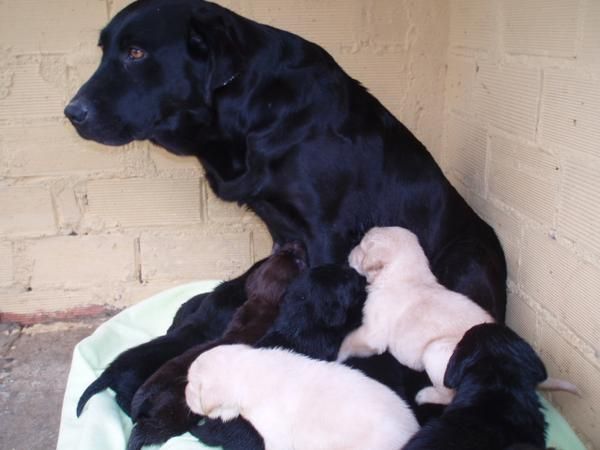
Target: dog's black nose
76,111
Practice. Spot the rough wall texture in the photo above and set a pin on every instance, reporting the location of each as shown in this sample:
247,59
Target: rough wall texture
85,227
522,143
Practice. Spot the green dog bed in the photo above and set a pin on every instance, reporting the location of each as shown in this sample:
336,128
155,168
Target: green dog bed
103,426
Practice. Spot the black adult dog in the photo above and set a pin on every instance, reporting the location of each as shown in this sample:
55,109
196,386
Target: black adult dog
281,128
496,407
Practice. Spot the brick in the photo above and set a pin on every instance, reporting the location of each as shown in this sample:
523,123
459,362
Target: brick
591,34
571,111
541,27
26,210
188,256
507,97
53,148
521,318
6,263
460,81
144,201
219,211
466,152
80,261
383,74
45,300
67,207
525,178
262,243
328,23
28,26
165,161
473,24
562,283
508,230
36,89
579,212
562,361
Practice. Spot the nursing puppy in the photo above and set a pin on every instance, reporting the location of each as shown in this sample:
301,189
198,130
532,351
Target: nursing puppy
320,307
296,402
407,311
410,314
158,407
496,407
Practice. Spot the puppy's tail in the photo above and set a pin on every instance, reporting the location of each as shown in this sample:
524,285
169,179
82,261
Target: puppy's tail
556,384
101,383
136,439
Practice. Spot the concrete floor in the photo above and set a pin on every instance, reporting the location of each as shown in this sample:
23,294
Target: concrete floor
34,363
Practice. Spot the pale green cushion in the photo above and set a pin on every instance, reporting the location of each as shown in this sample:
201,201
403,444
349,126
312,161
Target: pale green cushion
103,426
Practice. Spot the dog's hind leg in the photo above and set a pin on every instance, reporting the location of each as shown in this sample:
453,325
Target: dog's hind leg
435,360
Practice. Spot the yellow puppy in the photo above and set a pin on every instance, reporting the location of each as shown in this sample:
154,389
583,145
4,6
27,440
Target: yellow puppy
298,403
407,311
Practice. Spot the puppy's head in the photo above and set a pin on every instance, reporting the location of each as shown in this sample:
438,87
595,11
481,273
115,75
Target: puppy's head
382,245
211,389
271,279
494,356
327,296
162,61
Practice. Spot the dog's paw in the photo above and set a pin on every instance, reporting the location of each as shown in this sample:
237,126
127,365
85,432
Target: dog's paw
431,394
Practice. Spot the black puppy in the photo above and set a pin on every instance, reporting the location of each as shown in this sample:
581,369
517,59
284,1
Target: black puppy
495,374
132,367
281,128
319,309
159,407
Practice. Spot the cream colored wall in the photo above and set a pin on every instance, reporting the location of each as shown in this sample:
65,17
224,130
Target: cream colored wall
84,227
522,143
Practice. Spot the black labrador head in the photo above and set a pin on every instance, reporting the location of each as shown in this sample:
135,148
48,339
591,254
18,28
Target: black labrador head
162,63
495,357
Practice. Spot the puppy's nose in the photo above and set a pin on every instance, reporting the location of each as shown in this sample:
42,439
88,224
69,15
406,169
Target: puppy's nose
76,111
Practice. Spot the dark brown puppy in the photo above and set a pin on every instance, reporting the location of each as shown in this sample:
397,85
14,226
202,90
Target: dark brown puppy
159,406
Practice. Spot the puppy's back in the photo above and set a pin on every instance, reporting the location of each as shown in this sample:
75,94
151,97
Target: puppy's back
297,402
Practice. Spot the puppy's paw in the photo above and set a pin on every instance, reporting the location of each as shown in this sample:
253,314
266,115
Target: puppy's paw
192,397
431,394
344,353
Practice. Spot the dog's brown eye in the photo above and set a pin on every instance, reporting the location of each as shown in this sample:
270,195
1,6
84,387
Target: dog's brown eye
135,53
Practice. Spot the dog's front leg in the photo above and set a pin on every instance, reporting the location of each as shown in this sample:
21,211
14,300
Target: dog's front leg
438,394
358,343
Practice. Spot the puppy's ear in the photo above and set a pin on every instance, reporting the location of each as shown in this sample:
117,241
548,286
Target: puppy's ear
212,38
531,369
376,256
462,359
340,295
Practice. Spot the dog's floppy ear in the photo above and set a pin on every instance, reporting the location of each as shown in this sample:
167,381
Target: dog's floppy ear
376,257
463,357
212,37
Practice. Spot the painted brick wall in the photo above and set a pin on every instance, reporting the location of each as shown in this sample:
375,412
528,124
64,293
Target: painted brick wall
522,143
85,227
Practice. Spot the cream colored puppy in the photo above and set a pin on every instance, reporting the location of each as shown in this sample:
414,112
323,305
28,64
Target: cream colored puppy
407,311
298,403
